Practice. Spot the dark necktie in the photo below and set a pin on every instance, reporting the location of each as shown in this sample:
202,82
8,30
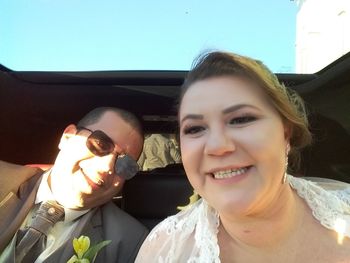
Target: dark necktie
31,241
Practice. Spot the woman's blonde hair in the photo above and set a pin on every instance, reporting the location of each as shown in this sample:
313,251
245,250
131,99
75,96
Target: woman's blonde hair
286,101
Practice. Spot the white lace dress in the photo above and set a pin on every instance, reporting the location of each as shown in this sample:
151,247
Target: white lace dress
191,235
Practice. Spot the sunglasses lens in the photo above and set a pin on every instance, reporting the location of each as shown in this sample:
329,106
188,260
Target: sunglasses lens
126,167
99,143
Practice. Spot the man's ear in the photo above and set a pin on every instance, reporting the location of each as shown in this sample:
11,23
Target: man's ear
68,132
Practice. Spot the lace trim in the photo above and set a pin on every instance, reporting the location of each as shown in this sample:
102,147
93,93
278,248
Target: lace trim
343,195
207,239
199,221
330,208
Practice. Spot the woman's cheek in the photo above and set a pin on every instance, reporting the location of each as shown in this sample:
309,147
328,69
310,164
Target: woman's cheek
192,153
185,150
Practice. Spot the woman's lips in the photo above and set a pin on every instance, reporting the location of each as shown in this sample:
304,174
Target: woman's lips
230,173
230,176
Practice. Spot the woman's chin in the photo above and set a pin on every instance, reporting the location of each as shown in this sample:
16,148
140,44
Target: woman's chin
233,205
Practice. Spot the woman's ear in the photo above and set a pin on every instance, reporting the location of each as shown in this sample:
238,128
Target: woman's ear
68,132
287,131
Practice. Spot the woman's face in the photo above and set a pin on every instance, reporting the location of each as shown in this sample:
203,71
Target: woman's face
233,145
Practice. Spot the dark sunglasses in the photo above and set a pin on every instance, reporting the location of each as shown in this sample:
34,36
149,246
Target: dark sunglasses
100,144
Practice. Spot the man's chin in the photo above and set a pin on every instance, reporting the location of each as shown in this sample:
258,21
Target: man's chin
70,202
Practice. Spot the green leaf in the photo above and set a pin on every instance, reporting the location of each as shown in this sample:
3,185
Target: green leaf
91,253
73,259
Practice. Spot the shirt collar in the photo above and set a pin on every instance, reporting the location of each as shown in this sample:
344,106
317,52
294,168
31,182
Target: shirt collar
44,194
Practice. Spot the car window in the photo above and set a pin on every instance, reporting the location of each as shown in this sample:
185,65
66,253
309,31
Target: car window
289,36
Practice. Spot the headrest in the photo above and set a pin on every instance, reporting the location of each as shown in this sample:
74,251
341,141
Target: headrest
156,194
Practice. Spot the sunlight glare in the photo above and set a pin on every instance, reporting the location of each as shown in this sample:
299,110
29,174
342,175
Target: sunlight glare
340,226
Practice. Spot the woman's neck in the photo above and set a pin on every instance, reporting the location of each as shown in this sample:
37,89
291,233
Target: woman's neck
269,230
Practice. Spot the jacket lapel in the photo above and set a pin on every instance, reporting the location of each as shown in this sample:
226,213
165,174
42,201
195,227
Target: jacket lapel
89,225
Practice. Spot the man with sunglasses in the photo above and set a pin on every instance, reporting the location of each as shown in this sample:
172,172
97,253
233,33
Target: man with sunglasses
96,157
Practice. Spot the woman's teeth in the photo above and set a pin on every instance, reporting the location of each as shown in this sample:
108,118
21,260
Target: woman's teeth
229,173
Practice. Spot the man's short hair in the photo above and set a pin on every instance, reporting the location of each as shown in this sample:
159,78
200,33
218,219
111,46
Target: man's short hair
94,115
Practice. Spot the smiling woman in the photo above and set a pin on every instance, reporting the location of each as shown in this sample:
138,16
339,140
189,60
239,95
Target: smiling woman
239,133
238,127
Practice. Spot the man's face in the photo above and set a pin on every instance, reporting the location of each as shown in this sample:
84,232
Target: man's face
81,180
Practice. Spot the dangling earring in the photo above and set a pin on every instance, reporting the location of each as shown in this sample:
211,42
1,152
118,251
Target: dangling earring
284,180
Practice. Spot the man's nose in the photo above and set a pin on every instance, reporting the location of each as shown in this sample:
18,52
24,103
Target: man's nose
106,163
219,142
102,165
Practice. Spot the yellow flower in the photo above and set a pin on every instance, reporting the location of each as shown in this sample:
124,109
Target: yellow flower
81,245
85,253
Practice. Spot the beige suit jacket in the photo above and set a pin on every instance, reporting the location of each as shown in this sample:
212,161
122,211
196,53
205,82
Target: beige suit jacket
18,187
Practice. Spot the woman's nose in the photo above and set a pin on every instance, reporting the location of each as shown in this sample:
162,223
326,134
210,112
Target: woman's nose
219,142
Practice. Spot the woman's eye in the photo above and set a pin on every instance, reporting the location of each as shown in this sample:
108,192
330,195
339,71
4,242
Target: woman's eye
242,120
193,129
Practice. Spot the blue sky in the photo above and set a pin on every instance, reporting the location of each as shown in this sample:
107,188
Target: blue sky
71,35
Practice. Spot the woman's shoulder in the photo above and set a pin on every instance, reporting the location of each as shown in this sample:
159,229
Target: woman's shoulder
329,200
319,187
328,184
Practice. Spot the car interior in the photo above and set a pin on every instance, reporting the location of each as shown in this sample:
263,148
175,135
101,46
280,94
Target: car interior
37,106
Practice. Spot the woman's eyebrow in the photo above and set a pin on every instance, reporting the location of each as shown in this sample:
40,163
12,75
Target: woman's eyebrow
225,111
238,107
192,116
